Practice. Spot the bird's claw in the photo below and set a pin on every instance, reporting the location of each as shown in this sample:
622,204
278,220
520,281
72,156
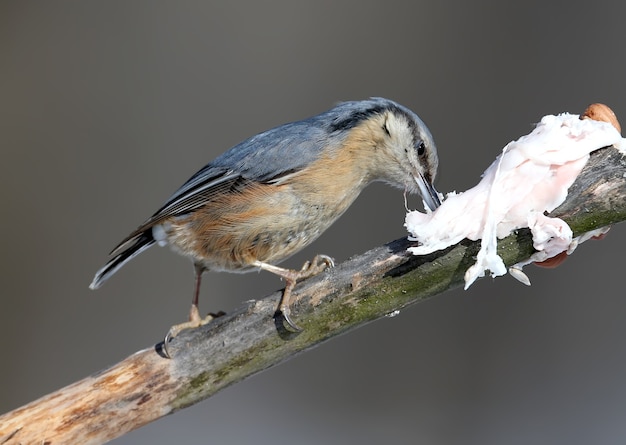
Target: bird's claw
178,328
315,266
288,323
309,269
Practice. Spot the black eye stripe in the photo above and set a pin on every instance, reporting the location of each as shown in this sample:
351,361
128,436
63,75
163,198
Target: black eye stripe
349,121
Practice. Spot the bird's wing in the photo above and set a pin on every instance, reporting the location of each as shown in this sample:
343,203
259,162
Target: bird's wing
264,158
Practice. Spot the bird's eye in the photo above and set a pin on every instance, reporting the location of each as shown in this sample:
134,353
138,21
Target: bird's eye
421,148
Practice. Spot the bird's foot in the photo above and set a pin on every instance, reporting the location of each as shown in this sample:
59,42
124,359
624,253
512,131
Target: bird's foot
291,277
309,269
195,321
314,267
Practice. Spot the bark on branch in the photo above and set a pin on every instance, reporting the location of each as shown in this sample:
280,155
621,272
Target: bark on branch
146,386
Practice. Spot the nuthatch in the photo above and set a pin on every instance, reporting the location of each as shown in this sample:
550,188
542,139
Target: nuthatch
273,194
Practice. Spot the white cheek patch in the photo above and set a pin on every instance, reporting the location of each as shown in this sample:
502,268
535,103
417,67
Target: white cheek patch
530,177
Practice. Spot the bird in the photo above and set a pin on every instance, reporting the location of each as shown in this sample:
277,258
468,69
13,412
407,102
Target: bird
273,194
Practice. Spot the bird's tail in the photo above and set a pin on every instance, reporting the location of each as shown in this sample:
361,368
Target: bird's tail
143,241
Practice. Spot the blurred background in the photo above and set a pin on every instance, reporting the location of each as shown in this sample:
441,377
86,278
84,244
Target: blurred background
107,107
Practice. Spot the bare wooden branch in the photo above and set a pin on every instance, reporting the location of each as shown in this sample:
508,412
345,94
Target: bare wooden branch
147,386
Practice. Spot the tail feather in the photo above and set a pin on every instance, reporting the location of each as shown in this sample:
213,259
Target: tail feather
143,242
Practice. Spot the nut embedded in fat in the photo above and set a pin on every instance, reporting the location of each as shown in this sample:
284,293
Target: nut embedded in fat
602,113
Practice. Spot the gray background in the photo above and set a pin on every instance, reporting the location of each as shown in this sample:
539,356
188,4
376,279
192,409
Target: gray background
107,107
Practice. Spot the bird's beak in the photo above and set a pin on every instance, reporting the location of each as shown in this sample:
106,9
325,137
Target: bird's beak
428,192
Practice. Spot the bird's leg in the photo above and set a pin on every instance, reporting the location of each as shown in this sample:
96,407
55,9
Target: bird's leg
291,277
194,312
195,319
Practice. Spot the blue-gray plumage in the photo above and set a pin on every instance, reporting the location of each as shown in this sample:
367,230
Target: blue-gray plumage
271,195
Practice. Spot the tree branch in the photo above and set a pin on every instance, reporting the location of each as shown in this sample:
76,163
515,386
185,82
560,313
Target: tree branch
146,386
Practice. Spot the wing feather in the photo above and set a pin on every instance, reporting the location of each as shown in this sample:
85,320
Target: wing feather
264,158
